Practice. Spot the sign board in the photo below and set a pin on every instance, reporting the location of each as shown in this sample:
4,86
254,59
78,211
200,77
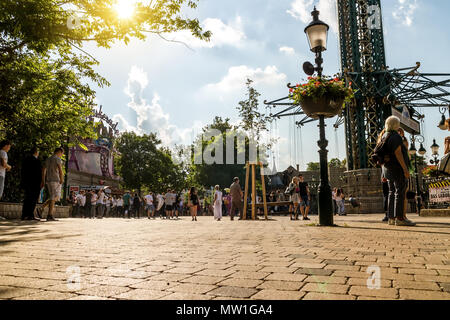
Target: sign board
408,123
440,192
75,189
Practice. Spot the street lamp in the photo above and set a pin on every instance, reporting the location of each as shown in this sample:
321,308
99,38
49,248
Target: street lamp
317,34
435,153
413,152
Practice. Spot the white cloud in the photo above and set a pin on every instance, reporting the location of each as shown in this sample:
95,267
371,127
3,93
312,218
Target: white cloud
404,11
236,77
150,117
288,50
231,34
301,9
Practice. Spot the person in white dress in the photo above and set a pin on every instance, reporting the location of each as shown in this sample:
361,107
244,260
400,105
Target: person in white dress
218,204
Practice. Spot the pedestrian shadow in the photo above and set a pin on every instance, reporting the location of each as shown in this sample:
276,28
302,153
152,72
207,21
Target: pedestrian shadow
415,230
25,231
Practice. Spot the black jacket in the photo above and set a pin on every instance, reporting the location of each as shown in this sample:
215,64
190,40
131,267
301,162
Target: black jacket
31,173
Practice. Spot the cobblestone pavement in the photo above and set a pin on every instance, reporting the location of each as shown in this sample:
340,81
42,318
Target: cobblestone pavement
277,259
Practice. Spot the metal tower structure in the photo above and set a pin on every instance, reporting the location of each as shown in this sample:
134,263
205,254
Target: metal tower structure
379,90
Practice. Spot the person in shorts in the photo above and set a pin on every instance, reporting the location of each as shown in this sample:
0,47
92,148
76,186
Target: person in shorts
5,146
53,176
294,191
169,201
305,197
149,207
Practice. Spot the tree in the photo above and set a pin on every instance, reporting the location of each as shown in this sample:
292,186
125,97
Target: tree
313,166
45,98
208,175
143,163
336,163
252,120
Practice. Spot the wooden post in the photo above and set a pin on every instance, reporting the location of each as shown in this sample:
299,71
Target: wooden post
247,172
263,191
253,192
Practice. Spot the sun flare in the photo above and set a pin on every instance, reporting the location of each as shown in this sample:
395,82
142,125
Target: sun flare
124,8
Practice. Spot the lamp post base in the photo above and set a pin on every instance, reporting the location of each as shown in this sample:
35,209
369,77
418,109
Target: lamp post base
325,197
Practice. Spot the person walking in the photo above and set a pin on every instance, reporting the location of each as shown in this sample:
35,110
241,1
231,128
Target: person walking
79,204
136,206
119,209
53,176
193,203
217,203
100,204
385,185
395,169
236,199
339,202
5,146
294,191
88,204
149,207
305,197
31,182
126,204
335,206
94,199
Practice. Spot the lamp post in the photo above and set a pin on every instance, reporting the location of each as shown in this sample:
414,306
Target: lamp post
317,34
435,153
413,152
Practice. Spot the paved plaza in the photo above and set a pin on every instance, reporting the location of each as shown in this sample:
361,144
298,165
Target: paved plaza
278,259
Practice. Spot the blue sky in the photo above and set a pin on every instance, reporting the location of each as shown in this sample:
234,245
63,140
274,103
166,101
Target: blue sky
164,87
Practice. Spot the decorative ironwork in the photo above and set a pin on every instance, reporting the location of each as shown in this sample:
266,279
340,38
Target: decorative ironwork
378,88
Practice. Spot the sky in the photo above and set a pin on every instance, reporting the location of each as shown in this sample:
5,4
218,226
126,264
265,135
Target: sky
175,90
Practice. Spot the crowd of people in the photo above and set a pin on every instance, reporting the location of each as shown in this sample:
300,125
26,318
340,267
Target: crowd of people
391,152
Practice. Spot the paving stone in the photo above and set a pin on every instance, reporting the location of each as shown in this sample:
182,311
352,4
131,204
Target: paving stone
241,255
316,272
15,292
169,277
154,285
388,293
326,288
286,277
203,279
268,294
418,285
47,295
445,286
408,294
186,296
242,283
192,288
281,285
250,275
363,282
84,297
215,273
234,292
141,294
327,296
104,291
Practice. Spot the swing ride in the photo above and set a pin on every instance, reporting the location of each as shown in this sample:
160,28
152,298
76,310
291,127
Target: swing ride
380,91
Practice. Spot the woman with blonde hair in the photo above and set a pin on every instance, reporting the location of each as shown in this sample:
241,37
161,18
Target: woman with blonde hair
396,172
294,191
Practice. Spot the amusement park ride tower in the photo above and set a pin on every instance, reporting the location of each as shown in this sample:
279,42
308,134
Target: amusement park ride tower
380,91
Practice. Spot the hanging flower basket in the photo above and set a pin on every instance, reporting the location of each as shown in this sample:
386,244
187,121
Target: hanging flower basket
321,96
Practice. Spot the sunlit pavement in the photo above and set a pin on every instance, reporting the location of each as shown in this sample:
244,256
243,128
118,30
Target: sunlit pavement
362,258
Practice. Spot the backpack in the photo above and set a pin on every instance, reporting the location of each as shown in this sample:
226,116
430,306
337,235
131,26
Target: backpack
290,189
380,155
